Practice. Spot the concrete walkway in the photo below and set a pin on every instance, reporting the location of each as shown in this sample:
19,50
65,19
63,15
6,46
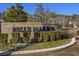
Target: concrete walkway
73,41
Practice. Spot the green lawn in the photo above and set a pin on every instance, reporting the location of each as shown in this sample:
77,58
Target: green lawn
5,47
37,45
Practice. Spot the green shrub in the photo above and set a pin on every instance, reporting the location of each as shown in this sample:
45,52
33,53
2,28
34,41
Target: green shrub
2,41
26,37
45,36
42,38
53,37
20,40
65,35
49,38
59,35
36,38
15,37
3,38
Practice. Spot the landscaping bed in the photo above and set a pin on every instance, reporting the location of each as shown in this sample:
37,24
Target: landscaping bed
35,46
41,40
46,44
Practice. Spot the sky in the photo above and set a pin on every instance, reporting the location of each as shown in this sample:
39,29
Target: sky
59,8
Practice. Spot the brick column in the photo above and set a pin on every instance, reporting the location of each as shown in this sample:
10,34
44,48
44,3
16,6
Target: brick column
9,38
21,34
32,34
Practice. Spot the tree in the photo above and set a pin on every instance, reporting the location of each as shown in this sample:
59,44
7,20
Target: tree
16,14
47,15
53,14
19,6
0,15
35,16
40,13
40,9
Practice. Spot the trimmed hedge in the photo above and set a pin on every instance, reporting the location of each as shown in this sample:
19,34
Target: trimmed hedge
3,38
40,37
26,37
15,37
50,36
36,38
20,40
45,35
54,35
61,35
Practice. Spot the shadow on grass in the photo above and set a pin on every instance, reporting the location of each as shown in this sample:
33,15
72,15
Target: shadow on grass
8,52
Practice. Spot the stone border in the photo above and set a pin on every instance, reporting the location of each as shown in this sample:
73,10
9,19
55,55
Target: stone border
73,41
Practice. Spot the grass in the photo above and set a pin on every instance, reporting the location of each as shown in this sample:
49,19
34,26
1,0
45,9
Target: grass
46,45
52,44
5,47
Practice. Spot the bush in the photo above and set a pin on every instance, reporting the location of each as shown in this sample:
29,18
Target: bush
45,36
15,37
26,37
3,38
49,38
59,35
36,38
53,37
40,38
20,40
65,35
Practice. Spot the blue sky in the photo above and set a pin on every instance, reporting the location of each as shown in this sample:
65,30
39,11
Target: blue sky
60,8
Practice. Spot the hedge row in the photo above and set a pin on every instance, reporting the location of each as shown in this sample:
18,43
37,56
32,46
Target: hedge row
38,37
16,38
26,37
3,38
50,36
